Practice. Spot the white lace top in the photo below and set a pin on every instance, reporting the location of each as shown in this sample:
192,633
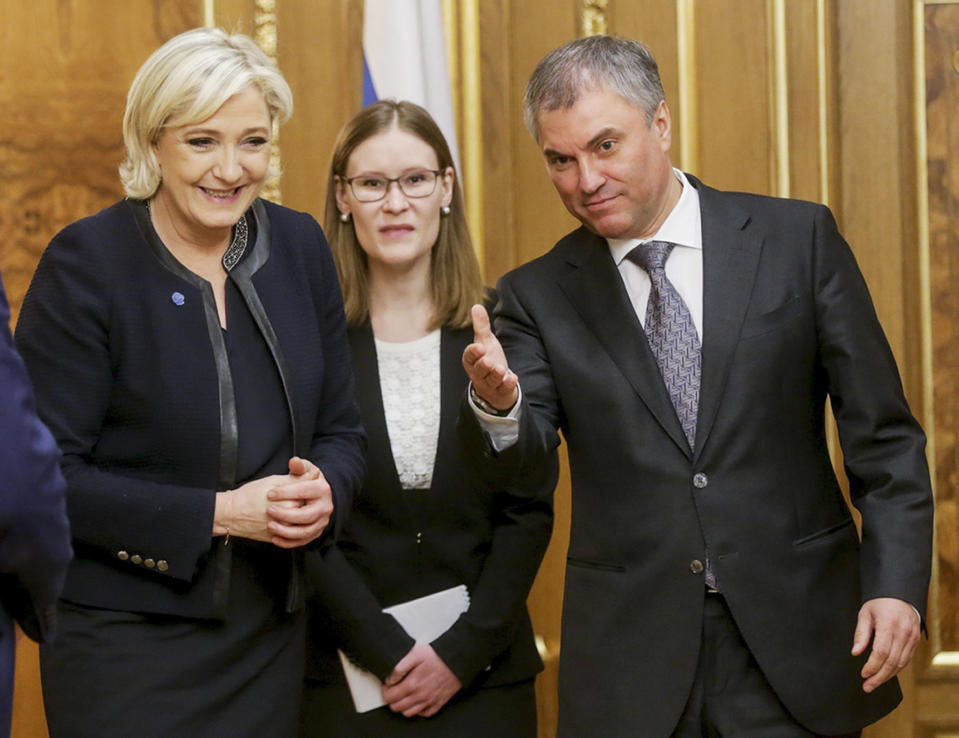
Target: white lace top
410,384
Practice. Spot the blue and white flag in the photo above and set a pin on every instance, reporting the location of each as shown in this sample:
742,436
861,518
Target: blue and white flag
404,57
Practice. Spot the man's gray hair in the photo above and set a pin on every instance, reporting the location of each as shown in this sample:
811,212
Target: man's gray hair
624,66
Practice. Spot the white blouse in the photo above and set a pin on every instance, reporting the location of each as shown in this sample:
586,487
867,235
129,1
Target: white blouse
410,385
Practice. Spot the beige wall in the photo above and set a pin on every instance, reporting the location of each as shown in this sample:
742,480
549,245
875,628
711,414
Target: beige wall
816,99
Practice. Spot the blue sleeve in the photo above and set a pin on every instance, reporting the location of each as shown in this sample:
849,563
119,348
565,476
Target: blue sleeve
34,533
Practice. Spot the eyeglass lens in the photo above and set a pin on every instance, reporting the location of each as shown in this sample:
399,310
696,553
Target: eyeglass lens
369,188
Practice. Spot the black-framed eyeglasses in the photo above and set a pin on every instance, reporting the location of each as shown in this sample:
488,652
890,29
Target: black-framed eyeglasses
373,187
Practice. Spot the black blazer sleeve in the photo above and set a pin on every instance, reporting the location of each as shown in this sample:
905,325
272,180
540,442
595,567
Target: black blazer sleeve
883,445
498,599
346,607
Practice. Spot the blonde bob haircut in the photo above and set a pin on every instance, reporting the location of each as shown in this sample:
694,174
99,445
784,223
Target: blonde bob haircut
455,275
185,82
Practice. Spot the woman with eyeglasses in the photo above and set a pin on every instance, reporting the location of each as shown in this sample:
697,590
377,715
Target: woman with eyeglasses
423,523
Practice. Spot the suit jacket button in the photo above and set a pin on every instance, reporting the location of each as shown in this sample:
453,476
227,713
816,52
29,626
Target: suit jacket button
696,566
162,565
700,480
123,555
149,563
136,559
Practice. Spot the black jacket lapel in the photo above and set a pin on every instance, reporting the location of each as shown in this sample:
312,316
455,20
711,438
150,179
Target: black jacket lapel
596,290
730,259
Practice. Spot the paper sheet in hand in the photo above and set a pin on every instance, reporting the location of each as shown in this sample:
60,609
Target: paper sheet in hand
425,619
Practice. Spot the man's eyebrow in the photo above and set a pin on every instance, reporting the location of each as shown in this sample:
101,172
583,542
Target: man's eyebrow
605,133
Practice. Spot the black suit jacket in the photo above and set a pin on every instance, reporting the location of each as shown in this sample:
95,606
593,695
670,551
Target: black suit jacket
491,540
131,373
787,322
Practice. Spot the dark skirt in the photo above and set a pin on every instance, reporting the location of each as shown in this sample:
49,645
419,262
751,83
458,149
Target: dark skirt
507,711
113,674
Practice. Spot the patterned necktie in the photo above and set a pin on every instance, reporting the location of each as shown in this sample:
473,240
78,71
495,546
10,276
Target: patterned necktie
671,334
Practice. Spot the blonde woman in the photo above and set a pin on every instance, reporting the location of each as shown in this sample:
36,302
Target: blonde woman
188,350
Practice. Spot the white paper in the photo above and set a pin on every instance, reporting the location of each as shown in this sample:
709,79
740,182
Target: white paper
424,619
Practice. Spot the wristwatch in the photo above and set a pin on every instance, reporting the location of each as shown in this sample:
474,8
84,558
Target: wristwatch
486,407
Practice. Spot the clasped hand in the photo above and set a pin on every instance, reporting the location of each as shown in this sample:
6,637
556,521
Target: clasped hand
287,510
420,683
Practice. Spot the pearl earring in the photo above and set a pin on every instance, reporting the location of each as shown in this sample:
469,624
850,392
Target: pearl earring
344,217
445,210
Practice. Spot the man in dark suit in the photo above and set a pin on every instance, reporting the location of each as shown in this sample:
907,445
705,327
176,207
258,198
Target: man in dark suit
34,534
685,341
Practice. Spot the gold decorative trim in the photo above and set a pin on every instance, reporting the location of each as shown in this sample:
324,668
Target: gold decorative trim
594,21
822,88
451,38
472,146
688,109
265,35
778,96
208,14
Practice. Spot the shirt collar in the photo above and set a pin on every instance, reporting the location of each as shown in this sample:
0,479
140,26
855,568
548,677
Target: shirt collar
682,226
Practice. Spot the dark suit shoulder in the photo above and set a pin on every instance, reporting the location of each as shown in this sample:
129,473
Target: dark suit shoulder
288,217
760,207
102,235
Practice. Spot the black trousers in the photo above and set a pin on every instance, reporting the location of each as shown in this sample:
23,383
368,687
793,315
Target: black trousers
731,697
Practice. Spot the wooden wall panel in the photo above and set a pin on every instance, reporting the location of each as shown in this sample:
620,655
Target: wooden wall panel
501,132
732,88
811,98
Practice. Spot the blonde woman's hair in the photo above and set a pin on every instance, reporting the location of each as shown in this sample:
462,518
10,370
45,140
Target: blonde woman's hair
455,276
185,82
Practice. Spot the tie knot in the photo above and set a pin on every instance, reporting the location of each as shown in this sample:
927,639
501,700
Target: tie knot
651,255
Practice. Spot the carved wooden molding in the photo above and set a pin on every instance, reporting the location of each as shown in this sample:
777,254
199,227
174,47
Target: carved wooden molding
594,21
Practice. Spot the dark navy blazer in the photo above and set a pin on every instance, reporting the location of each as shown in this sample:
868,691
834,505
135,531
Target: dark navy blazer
34,535
131,373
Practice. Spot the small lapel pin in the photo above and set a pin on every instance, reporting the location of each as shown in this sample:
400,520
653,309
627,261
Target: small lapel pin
178,298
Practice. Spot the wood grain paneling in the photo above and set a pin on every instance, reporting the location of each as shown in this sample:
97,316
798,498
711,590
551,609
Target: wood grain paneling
937,712
942,147
732,91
